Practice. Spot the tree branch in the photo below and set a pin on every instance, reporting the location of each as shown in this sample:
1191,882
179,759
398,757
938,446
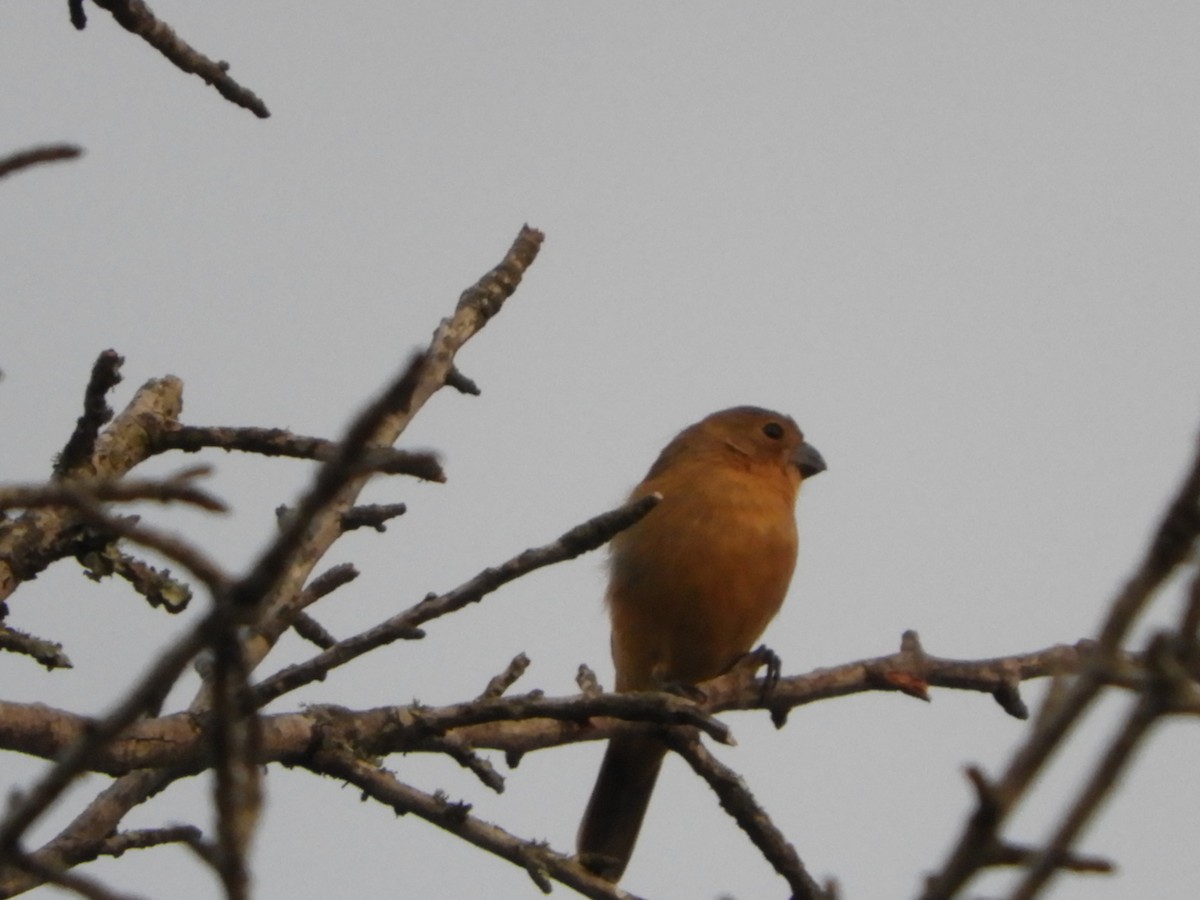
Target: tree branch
737,800
23,159
77,454
135,16
580,539
1174,540
30,542
536,858
279,442
514,724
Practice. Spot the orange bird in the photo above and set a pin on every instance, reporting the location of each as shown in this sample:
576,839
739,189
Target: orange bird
691,588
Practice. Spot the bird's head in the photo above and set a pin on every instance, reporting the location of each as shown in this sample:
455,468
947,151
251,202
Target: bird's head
749,434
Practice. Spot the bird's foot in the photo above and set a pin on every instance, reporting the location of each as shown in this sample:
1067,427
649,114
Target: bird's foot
764,656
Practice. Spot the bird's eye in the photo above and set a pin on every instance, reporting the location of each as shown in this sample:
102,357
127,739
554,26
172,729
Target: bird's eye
773,430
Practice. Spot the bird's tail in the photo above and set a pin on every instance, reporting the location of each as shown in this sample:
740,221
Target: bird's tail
614,814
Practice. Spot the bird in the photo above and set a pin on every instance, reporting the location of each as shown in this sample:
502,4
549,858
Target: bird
691,587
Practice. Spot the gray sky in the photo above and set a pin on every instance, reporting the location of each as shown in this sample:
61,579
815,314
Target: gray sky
957,242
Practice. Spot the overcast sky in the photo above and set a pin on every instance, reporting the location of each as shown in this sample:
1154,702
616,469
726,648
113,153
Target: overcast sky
957,242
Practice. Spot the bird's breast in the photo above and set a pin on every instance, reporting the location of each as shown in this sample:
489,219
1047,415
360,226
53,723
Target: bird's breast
694,584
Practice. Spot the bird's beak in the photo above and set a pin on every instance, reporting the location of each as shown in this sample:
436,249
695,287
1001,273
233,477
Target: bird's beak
808,460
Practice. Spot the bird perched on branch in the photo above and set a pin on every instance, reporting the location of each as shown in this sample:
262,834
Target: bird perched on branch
691,588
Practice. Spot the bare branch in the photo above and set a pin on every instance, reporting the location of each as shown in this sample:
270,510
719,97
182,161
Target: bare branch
588,536
145,694
77,454
514,724
170,546
329,581
281,571
1021,855
506,679
41,536
141,839
737,800
42,871
586,679
279,442
49,653
1166,679
86,836
314,525
536,858
86,887
372,515
1172,543
135,16
23,159
275,583
324,584
462,754
84,494
313,631
158,587
461,382
236,744
737,691
385,419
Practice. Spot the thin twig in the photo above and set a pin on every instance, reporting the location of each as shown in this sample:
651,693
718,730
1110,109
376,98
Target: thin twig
42,535
587,681
23,159
146,693
85,837
737,800
313,631
1023,855
506,679
535,858
279,442
372,515
295,617
173,548
161,590
77,454
144,838
49,653
588,536
278,577
1170,546
1154,702
83,494
84,886
135,16
280,584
